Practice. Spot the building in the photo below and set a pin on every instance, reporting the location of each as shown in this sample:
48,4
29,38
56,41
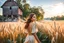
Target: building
11,9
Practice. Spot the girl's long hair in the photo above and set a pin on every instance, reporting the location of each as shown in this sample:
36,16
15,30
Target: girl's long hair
29,20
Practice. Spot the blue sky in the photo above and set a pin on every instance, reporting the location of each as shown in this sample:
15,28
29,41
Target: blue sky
2,1
51,7
38,2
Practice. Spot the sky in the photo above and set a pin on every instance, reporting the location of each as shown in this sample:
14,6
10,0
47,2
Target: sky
50,7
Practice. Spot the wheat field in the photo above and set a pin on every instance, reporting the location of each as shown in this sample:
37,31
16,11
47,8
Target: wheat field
54,30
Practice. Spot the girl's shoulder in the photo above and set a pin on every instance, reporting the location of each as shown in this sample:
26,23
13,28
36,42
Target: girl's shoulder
32,23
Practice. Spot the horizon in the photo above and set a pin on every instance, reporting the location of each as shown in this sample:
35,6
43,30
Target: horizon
51,7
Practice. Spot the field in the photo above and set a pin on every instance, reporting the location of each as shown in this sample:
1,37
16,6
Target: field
55,30
11,30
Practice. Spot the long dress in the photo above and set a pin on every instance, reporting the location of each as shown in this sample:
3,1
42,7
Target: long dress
31,38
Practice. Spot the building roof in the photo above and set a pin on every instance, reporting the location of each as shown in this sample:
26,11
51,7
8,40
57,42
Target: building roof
10,3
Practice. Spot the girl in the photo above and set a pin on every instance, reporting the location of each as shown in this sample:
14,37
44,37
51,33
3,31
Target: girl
31,29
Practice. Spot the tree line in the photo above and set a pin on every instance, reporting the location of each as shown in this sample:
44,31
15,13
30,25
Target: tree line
58,18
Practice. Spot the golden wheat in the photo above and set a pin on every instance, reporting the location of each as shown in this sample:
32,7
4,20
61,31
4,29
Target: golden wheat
54,29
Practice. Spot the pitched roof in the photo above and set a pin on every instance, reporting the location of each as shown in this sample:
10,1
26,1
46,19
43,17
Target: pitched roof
10,3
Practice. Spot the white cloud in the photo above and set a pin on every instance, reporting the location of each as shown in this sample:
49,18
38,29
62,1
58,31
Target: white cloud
53,10
28,1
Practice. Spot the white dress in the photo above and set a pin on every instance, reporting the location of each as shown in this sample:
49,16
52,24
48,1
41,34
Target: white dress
31,38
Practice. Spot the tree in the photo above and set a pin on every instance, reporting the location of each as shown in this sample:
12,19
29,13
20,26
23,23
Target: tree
58,18
27,10
24,1
38,11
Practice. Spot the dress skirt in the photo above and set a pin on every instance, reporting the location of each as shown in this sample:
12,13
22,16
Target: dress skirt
30,39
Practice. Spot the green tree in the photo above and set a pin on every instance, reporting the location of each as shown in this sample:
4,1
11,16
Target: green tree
38,11
24,1
58,18
27,10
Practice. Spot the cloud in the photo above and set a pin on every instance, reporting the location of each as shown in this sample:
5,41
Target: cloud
28,1
54,9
